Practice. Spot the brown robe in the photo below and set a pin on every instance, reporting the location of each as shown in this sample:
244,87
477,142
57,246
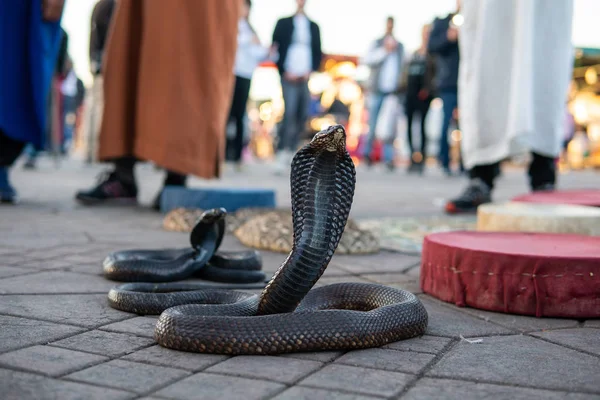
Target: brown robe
168,82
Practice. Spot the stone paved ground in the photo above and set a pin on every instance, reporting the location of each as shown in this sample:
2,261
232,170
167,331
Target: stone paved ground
60,340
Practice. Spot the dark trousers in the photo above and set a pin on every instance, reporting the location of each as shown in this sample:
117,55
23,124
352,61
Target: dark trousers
236,115
414,105
542,170
10,150
450,100
296,99
124,170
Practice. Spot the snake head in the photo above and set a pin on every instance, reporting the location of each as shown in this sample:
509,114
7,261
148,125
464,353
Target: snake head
331,138
213,215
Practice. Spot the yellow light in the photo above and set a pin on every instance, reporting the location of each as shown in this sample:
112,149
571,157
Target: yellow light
591,76
266,111
456,135
417,157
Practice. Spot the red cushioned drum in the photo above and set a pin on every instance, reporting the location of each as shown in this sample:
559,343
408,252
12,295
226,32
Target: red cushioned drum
541,274
583,197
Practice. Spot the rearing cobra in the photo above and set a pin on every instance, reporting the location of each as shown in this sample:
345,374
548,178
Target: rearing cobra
289,315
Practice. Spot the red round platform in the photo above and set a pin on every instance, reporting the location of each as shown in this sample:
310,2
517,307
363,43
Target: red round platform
545,275
581,197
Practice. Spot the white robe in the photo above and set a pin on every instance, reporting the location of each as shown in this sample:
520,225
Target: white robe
516,62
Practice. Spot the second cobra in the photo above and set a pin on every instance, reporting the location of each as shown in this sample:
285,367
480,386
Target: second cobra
288,316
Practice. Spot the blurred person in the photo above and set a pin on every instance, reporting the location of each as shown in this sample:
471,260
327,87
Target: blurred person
298,41
385,59
30,37
167,90
420,72
516,65
249,54
102,15
443,44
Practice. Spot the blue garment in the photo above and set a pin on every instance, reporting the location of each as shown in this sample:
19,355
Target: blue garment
388,145
450,102
446,53
28,51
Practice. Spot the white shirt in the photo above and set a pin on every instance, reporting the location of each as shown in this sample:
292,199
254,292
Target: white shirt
248,54
69,84
388,74
299,57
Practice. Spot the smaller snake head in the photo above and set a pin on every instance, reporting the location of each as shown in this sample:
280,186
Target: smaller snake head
331,139
213,215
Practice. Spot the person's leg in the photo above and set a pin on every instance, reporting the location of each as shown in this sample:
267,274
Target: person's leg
542,172
172,178
242,91
449,104
288,125
478,191
118,184
10,150
376,100
424,111
301,115
409,110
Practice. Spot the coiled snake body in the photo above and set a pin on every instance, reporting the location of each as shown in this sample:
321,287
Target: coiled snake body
288,316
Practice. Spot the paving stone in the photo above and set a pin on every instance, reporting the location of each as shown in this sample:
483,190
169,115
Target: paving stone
384,261
448,321
158,355
42,265
278,369
328,280
582,339
428,388
135,377
142,326
522,323
104,343
6,272
413,287
21,385
55,282
321,356
92,268
358,380
77,309
19,332
51,361
423,344
388,278
521,360
592,323
204,386
389,360
305,393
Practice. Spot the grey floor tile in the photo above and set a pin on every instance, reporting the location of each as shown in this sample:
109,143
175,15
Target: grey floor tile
204,386
443,389
88,310
48,360
19,332
306,393
54,282
142,326
522,323
135,377
109,344
448,321
24,386
389,360
521,360
321,356
278,369
578,338
358,380
158,355
423,344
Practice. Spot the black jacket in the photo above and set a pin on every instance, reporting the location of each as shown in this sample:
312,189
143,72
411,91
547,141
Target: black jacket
446,53
282,35
99,28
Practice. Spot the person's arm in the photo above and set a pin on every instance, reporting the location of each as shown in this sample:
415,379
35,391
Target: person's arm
319,51
93,48
438,40
375,55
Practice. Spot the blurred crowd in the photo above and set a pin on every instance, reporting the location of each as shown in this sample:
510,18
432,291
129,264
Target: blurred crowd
158,95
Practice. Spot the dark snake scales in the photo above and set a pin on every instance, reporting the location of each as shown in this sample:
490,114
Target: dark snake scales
288,316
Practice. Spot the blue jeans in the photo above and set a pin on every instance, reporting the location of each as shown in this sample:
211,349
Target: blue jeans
450,99
388,146
296,100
